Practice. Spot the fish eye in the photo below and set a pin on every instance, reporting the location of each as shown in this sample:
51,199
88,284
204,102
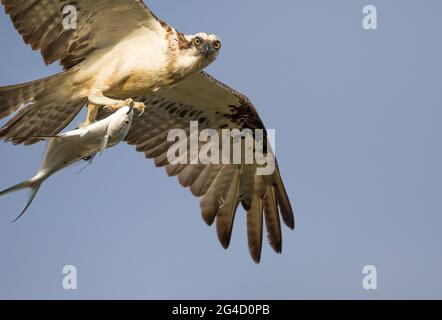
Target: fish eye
217,45
197,41
126,122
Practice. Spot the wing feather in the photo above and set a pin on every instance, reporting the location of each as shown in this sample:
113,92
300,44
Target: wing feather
215,196
284,202
204,180
175,169
226,211
189,175
247,186
254,229
220,187
100,24
273,223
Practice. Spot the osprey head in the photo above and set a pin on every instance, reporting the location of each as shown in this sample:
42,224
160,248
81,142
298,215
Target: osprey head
199,50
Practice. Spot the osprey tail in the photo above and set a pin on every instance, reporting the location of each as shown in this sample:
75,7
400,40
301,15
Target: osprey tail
48,106
13,97
33,184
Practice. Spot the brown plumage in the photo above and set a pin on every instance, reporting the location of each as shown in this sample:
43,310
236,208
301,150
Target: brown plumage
221,188
118,49
175,93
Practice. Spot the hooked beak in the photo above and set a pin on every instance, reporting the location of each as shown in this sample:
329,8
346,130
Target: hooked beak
208,49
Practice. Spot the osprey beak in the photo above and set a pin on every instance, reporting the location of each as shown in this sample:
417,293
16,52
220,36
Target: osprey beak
208,49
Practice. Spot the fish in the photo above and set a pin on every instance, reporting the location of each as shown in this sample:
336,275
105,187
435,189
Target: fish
71,147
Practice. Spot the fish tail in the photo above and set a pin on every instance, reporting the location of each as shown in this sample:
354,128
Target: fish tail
33,184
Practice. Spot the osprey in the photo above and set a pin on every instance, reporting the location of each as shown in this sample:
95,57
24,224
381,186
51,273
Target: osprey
121,51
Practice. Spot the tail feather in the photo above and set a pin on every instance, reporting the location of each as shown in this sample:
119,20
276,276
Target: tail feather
33,184
15,96
48,106
40,119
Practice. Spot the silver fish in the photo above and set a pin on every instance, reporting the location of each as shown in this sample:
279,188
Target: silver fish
68,148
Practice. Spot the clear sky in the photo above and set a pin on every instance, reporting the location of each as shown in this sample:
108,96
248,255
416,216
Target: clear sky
357,115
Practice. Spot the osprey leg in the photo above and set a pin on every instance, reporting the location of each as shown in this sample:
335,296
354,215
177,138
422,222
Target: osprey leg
92,111
139,106
113,105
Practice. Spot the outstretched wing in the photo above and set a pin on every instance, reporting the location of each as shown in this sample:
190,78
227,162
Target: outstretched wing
221,187
46,25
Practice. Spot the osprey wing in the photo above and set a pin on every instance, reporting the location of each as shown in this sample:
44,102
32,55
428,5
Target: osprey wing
70,30
221,187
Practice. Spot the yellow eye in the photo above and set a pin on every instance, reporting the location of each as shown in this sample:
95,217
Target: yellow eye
197,41
217,45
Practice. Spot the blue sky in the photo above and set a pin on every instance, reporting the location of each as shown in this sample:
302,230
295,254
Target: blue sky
357,118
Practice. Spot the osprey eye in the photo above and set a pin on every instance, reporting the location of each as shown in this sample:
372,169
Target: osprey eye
217,45
197,41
